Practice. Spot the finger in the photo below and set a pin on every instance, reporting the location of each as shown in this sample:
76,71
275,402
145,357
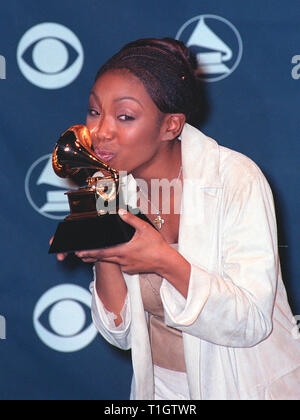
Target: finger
61,257
114,260
115,251
98,255
86,254
89,260
133,220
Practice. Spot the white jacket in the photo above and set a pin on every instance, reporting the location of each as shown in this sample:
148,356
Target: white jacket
240,338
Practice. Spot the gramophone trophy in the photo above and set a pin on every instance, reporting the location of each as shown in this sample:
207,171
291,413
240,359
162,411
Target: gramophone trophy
94,222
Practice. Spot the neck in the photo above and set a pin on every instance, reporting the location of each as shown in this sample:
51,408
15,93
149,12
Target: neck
165,164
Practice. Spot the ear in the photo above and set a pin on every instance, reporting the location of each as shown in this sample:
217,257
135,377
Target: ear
173,126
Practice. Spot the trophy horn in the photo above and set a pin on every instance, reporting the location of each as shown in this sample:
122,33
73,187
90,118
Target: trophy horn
73,152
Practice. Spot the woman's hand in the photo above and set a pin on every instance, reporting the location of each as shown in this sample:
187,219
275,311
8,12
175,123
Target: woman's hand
142,254
147,252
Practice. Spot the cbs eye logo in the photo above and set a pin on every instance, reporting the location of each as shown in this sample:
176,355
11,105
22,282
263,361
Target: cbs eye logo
50,56
60,318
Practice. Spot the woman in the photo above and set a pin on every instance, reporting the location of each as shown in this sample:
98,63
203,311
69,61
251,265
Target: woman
199,300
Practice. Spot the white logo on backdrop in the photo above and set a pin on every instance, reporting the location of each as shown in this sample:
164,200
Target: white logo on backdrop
45,191
2,328
66,318
50,45
296,68
216,43
2,67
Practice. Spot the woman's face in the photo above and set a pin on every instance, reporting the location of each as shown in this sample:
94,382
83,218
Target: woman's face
125,124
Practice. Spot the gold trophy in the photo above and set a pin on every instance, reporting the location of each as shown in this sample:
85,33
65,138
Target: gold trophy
94,221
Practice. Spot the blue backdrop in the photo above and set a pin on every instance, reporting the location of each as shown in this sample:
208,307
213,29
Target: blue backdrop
50,52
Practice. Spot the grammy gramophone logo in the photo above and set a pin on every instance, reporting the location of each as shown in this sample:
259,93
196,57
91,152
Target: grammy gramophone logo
2,67
45,191
216,43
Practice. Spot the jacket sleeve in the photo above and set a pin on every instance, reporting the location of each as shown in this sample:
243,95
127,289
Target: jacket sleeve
233,307
104,322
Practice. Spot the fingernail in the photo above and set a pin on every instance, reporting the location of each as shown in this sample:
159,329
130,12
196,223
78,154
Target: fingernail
122,212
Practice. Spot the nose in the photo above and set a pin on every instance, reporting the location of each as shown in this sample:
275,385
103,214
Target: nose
103,131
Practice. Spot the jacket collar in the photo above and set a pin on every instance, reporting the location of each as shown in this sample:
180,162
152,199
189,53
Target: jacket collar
202,189
200,158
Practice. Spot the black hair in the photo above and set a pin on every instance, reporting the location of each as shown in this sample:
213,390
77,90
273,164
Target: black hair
167,69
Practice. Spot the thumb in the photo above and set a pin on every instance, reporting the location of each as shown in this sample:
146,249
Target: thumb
132,220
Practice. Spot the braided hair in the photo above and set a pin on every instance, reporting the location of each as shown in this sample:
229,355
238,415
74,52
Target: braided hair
166,68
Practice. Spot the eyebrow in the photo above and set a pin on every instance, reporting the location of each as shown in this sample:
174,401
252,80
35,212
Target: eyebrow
123,98
94,94
128,98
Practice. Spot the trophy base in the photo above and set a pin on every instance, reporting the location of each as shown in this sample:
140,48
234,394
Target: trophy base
92,233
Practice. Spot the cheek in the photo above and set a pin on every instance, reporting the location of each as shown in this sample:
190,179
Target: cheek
138,148
89,123
137,153
143,135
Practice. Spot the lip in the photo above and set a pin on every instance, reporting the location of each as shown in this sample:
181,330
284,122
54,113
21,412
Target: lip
105,154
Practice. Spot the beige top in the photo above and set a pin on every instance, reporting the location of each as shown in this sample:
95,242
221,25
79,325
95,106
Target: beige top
166,342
